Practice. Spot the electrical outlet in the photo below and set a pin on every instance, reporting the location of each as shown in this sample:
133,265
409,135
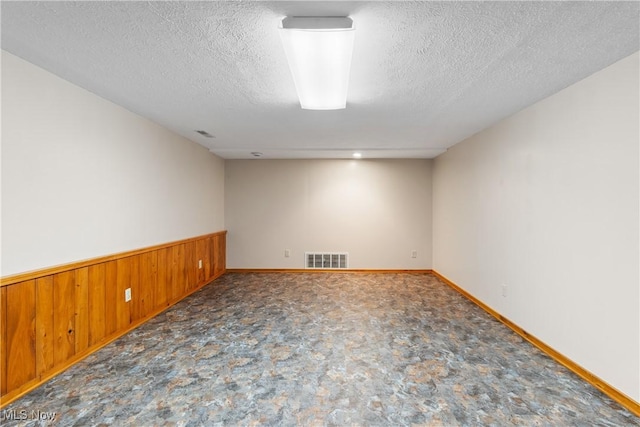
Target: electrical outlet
199,263
414,254
127,295
287,253
504,290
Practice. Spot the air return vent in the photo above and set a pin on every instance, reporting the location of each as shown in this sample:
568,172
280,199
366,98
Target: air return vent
205,133
327,259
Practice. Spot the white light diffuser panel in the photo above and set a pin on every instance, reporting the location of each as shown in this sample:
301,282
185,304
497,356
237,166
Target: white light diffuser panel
319,54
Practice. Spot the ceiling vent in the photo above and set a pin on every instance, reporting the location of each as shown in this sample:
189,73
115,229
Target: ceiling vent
327,260
205,134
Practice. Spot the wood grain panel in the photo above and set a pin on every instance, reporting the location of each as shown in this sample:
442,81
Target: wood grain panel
178,274
208,259
97,299
45,338
3,341
163,278
215,243
201,257
123,281
64,298
111,296
82,309
182,271
172,273
214,253
191,266
148,282
21,346
219,254
134,284
222,250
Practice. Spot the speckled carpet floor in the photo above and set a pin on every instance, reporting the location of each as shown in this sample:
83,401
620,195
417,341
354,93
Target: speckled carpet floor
322,349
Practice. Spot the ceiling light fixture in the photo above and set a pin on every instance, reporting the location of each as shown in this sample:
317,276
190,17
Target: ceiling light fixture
319,51
357,155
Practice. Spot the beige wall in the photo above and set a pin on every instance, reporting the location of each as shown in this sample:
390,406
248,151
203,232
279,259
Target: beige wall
83,177
546,202
377,210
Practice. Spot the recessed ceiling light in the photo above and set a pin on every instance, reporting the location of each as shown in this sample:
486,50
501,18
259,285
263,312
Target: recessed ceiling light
357,155
256,154
205,133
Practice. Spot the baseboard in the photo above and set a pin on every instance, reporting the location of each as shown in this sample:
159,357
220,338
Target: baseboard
603,386
324,270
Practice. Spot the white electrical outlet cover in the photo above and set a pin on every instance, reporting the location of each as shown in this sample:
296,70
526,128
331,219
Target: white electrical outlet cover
127,295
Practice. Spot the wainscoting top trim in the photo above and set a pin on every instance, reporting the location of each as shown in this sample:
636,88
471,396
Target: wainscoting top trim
34,274
603,386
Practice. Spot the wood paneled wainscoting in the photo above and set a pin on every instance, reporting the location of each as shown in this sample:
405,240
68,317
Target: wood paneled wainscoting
52,318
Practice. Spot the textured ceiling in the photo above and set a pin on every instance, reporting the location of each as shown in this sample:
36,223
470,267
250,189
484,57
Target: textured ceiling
425,75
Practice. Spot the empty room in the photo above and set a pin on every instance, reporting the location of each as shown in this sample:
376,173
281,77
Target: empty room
320,213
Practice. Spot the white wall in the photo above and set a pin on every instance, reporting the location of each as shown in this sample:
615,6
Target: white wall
547,202
83,177
373,209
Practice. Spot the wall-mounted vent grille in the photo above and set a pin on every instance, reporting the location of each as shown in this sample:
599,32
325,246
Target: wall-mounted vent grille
327,259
